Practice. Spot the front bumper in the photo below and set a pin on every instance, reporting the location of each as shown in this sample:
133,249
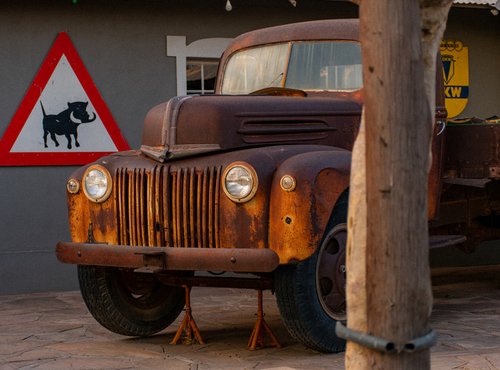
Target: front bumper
156,259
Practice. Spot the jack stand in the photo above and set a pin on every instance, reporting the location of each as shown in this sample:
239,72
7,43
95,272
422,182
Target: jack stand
188,324
257,337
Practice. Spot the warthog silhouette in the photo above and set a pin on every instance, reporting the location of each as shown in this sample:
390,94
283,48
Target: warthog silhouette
66,123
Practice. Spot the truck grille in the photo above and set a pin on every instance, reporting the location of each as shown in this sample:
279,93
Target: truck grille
160,207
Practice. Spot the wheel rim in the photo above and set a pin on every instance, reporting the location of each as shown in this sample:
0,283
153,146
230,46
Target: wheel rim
141,290
331,273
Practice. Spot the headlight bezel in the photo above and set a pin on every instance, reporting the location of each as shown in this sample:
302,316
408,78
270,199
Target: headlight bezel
288,183
73,186
255,182
109,182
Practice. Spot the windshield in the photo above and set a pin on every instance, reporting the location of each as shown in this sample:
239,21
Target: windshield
253,69
315,65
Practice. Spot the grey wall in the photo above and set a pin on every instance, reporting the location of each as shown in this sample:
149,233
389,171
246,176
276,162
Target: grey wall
480,31
122,44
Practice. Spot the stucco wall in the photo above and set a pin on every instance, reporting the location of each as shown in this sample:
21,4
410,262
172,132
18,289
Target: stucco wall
479,30
122,44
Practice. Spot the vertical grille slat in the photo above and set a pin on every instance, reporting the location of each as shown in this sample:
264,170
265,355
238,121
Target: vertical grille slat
158,215
211,198
185,205
192,208
164,207
204,209
175,208
142,213
151,206
119,202
216,207
131,208
199,197
167,206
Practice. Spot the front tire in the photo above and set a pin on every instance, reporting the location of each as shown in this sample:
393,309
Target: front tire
129,303
311,294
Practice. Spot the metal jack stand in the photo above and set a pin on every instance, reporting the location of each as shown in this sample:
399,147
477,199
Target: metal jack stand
257,337
188,324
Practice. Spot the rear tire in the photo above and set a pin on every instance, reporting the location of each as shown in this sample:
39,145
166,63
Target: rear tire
311,294
129,303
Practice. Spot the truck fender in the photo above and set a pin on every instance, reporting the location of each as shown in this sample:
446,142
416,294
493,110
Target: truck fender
298,217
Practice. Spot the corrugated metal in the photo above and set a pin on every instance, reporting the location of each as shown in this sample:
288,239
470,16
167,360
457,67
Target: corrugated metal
476,2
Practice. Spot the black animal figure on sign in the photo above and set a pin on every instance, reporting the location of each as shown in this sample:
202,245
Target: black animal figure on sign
66,123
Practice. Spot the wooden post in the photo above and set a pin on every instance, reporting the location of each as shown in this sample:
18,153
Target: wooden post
388,282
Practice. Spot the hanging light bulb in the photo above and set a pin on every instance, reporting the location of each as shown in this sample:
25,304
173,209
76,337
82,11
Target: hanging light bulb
229,7
293,2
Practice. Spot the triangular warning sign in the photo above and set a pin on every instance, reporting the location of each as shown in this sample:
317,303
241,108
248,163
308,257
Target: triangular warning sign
63,119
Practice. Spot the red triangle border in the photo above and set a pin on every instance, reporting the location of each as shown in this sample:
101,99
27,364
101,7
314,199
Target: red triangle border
62,46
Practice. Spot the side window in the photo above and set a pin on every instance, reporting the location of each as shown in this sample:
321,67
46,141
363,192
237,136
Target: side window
200,76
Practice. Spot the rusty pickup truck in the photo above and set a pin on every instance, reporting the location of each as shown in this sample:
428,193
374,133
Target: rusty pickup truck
254,180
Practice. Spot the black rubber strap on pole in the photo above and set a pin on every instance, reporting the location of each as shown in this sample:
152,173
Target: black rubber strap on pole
383,345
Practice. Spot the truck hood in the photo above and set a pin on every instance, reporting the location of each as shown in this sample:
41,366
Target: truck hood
190,125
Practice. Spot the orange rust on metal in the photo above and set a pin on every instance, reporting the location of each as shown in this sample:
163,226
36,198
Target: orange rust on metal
131,208
156,199
199,196
104,215
167,206
192,203
204,208
150,208
216,203
177,208
249,220
202,259
260,328
119,194
210,208
138,209
330,183
143,208
298,218
188,325
185,203
79,216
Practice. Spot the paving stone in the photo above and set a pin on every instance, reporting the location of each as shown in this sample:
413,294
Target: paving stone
55,331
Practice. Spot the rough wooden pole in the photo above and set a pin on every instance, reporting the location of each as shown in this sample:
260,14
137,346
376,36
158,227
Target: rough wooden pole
388,273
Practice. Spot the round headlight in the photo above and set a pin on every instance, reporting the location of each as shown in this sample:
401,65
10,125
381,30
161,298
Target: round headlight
97,183
240,182
73,186
288,183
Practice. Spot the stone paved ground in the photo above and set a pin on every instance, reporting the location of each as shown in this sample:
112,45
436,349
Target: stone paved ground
55,331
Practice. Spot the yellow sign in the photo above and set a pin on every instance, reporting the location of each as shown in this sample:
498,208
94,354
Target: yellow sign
455,58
